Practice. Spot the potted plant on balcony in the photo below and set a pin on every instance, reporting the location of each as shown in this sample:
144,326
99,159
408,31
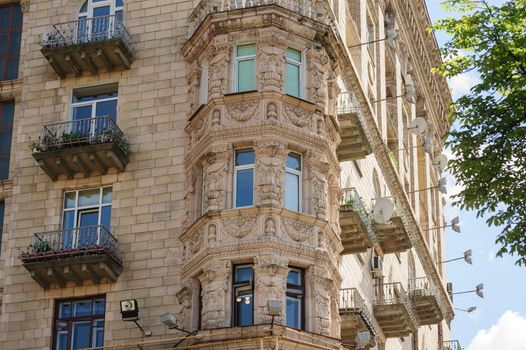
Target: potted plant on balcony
42,246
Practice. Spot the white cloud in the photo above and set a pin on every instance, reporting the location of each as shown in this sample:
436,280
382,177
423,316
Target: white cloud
461,84
491,256
507,333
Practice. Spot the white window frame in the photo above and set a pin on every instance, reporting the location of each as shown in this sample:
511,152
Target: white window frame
301,66
203,84
237,60
243,167
300,179
79,209
89,13
93,104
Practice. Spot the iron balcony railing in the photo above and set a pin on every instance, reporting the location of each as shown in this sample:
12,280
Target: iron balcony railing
350,298
351,198
451,345
85,31
421,287
81,132
317,10
392,294
346,104
72,242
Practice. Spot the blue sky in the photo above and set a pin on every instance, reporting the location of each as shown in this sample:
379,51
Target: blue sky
504,307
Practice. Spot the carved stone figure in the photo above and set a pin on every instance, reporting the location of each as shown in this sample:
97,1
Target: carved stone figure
271,68
270,227
272,111
196,242
318,68
298,116
321,240
239,226
216,118
319,194
214,287
184,296
270,171
271,283
218,69
214,180
212,233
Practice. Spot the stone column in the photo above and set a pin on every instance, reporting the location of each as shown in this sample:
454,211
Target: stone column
218,70
215,168
271,61
270,172
215,294
317,180
320,315
318,66
270,283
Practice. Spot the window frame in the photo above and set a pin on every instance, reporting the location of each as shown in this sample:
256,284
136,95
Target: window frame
94,102
101,3
237,60
10,30
7,128
243,287
92,319
296,291
239,168
301,67
203,84
298,173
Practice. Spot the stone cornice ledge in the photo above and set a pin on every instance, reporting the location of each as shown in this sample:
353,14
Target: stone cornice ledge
350,77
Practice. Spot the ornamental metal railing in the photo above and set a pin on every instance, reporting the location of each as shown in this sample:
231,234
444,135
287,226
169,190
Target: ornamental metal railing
81,132
351,300
350,197
451,345
317,10
392,294
421,287
85,31
346,104
69,242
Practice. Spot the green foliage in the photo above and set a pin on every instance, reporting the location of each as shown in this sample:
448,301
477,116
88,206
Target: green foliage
489,137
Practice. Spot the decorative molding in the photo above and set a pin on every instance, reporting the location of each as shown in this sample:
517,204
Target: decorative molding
239,226
243,110
297,230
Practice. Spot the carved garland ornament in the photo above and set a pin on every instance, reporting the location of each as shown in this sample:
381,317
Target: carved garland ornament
239,226
297,230
243,111
298,116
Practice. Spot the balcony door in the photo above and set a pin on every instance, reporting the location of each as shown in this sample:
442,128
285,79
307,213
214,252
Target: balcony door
94,110
97,19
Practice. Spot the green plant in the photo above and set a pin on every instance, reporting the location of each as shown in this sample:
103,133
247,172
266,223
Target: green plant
42,246
74,136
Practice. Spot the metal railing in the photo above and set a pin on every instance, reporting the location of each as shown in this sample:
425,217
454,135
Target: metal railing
346,104
85,31
451,345
350,298
350,197
81,132
421,286
73,241
394,293
317,10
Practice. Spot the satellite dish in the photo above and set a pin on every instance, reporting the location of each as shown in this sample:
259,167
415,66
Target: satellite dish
383,210
441,162
410,90
418,125
442,185
428,144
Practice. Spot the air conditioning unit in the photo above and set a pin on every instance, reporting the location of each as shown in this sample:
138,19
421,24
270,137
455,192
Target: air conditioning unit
449,287
376,266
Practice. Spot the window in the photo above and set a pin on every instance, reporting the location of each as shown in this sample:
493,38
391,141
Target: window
2,212
244,178
10,38
293,182
87,213
92,108
246,67
7,111
96,19
293,72
203,85
243,293
79,324
295,297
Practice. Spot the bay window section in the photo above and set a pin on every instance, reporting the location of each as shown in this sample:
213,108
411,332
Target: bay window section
79,324
243,294
245,67
244,178
295,299
293,72
293,182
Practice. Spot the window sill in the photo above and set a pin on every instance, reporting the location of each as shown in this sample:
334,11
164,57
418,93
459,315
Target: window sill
239,92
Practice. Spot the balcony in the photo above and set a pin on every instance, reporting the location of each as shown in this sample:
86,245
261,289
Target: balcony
88,46
393,311
392,235
357,229
355,316
424,300
81,146
354,144
317,10
73,255
451,345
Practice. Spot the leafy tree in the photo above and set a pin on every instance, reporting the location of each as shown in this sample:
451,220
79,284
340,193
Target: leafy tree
488,139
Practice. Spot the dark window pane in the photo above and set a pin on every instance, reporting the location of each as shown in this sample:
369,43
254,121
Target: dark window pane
89,197
12,69
292,190
107,108
80,335
105,219
64,310
293,312
294,161
4,168
294,277
82,308
243,274
62,340
8,112
118,15
244,308
244,187
5,12
2,212
84,8
3,43
245,157
17,17
106,195
119,3
14,43
99,307
5,141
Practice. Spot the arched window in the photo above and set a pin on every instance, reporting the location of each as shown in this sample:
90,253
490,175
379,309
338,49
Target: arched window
99,19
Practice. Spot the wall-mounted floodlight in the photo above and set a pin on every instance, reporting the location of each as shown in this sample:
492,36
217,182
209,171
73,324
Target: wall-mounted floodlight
466,257
274,308
441,187
478,290
427,144
170,320
130,312
362,339
455,225
468,310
